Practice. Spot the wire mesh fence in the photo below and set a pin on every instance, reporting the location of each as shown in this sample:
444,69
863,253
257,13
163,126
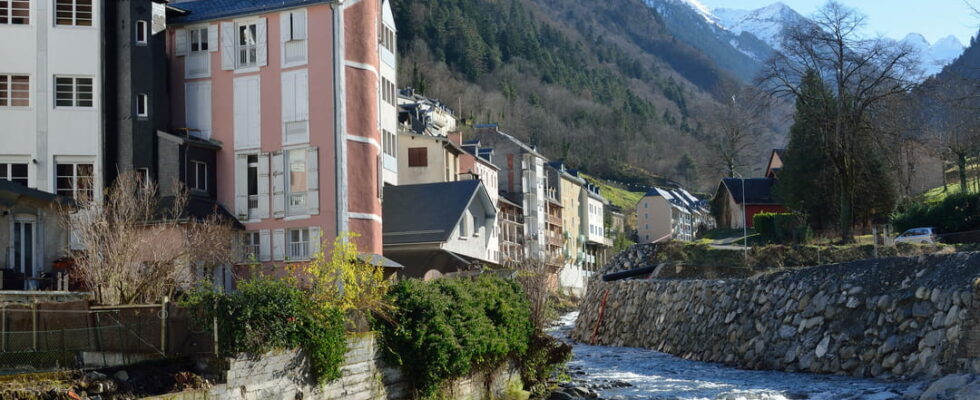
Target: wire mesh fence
42,337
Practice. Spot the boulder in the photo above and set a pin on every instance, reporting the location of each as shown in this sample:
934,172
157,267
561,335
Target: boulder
944,387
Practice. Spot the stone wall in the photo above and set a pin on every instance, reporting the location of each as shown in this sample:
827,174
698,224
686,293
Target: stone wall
894,317
282,375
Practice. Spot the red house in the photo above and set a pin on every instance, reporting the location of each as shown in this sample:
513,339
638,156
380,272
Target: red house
757,198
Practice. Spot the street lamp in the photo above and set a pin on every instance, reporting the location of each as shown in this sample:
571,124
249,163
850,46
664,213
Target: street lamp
745,221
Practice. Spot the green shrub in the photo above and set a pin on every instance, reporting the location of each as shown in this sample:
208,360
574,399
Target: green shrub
781,228
266,314
957,212
450,327
545,357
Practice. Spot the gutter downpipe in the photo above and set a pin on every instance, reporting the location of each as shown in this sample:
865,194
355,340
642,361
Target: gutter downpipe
340,117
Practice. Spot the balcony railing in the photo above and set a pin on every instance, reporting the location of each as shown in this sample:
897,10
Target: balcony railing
250,252
555,239
253,206
553,219
299,250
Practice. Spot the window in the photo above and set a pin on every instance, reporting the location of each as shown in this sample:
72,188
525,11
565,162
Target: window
75,180
418,157
142,32
197,177
296,26
250,246
15,90
388,92
16,173
296,182
299,244
389,143
388,38
23,251
295,106
72,91
142,105
247,54
73,12
143,175
252,186
197,108
15,12
199,40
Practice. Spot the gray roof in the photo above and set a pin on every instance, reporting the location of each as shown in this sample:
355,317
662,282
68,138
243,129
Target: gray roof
10,192
758,191
205,10
427,213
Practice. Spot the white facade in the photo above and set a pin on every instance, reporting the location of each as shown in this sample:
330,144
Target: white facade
389,96
533,181
51,102
593,220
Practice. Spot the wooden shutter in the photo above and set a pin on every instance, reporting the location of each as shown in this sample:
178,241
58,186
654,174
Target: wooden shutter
418,157
288,98
313,180
314,240
240,102
180,42
299,25
227,46
279,244
241,186
278,186
212,38
302,96
261,43
264,185
265,245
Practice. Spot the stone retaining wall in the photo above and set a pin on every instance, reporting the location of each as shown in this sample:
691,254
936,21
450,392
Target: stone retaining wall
282,375
895,317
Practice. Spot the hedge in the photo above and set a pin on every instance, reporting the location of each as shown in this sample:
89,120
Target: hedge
781,228
450,328
958,212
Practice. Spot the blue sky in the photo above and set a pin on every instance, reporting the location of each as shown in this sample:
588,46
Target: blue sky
934,19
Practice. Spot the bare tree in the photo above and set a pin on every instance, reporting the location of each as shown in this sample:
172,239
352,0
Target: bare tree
136,247
734,127
861,74
950,110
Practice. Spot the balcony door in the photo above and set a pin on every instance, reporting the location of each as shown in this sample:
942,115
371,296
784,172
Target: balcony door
24,239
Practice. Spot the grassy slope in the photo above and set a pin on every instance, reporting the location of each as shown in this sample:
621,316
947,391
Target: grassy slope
616,195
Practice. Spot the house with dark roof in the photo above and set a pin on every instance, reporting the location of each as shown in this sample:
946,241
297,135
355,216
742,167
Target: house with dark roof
775,162
438,228
667,214
737,201
31,237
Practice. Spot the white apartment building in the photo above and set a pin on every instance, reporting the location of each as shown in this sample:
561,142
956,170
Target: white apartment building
50,100
388,104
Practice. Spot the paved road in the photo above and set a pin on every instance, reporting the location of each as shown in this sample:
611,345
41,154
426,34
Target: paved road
631,373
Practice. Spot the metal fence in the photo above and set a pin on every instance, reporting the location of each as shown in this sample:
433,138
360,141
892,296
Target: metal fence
51,336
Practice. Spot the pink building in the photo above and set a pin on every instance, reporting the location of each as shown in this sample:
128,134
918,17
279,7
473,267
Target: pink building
297,93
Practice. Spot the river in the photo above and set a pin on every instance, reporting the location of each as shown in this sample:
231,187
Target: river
632,373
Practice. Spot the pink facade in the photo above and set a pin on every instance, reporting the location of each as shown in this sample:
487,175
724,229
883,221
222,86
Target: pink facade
324,217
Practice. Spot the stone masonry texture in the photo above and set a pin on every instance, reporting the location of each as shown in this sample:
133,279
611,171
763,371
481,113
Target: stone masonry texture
885,318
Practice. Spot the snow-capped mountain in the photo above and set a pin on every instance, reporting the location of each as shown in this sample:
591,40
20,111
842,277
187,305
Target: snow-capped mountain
765,23
935,56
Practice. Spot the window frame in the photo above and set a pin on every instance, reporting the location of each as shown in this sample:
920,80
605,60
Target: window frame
203,46
8,17
75,92
196,167
142,29
252,245
145,100
74,20
251,48
75,179
304,239
299,209
7,172
7,81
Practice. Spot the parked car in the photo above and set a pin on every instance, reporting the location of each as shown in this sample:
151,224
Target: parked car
918,235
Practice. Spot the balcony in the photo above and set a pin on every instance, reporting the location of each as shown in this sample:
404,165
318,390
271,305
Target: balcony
553,220
253,207
299,251
554,239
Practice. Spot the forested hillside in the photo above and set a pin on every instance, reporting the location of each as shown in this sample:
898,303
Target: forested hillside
602,85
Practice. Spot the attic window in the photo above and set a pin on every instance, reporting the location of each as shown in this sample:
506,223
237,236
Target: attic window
418,157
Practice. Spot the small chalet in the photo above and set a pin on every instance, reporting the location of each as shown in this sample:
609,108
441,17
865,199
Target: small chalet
438,228
757,197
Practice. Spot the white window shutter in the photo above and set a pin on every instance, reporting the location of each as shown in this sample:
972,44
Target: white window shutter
180,42
240,102
299,25
279,244
302,96
285,26
261,44
264,185
288,98
313,180
227,46
241,186
278,186
314,240
265,245
254,112
212,38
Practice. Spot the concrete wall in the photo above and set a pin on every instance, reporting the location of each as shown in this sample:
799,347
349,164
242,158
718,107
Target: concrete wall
281,375
441,165
894,317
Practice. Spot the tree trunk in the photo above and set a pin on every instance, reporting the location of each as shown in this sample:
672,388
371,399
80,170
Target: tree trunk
961,165
846,211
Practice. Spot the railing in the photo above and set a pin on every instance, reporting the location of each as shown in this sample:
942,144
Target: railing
250,251
299,250
253,206
555,239
554,220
